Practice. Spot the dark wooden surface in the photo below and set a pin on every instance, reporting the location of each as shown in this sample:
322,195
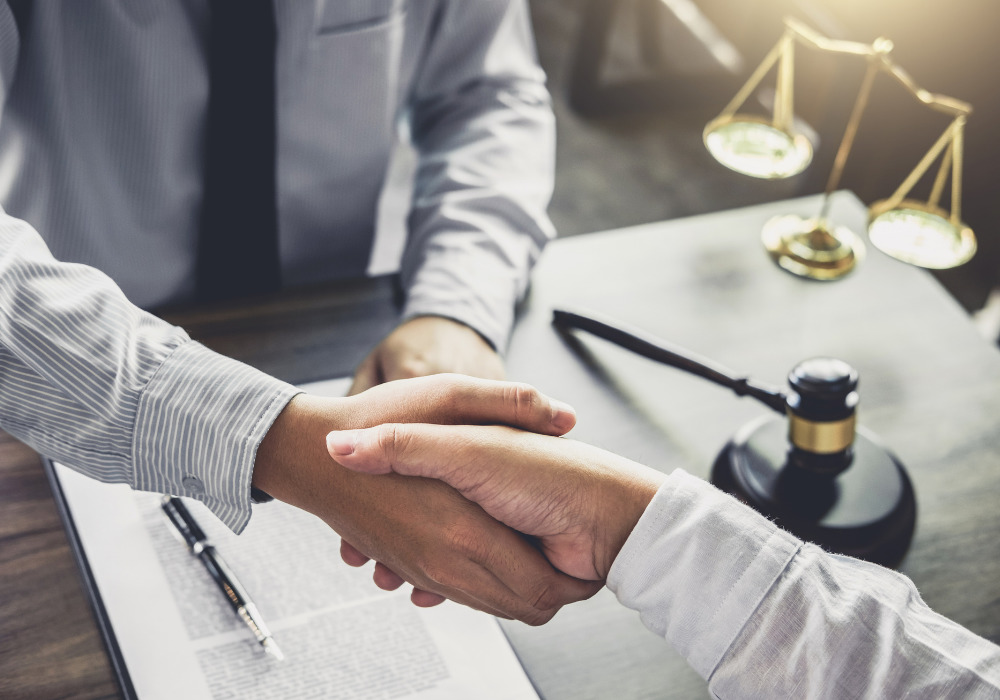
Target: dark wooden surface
930,387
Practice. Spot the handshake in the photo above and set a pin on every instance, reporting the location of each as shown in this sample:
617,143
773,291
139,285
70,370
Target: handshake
461,487
465,489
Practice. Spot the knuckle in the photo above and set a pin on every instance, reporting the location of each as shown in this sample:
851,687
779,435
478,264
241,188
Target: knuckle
546,593
392,441
439,574
454,388
536,618
412,367
524,399
444,394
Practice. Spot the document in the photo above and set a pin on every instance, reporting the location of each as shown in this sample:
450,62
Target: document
343,638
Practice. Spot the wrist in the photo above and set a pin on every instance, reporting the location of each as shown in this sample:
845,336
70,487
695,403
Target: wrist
634,494
292,455
491,322
456,325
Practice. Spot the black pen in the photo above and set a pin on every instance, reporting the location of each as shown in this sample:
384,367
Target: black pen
196,541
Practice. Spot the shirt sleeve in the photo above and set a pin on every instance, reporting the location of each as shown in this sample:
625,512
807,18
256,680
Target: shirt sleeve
482,123
10,43
759,613
103,387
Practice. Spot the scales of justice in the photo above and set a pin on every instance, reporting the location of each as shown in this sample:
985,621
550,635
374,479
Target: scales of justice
918,232
813,469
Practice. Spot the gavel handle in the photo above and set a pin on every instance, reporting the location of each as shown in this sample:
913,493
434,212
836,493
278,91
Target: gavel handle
660,351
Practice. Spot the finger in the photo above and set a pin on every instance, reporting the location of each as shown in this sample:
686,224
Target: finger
423,596
412,449
522,569
523,406
385,578
510,576
460,577
351,555
463,400
481,590
388,580
525,586
426,599
365,376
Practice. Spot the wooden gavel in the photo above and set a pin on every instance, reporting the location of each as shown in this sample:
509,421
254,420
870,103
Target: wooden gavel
818,474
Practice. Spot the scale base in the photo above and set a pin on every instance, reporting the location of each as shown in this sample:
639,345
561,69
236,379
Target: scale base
868,511
812,247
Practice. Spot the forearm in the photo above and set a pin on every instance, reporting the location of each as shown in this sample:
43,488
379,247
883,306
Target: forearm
484,130
292,461
758,613
840,627
694,570
110,390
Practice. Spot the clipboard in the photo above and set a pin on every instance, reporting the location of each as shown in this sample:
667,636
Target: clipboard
200,650
90,585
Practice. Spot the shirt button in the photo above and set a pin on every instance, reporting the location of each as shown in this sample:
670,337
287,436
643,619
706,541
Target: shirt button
193,485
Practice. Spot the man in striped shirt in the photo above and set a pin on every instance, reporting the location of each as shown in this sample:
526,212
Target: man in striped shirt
105,114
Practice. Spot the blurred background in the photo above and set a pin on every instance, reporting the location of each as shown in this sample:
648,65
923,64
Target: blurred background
635,81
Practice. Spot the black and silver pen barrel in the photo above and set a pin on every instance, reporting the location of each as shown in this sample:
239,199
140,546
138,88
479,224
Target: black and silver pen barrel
194,537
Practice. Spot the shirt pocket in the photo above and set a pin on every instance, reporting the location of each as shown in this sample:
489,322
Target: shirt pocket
339,17
352,71
337,115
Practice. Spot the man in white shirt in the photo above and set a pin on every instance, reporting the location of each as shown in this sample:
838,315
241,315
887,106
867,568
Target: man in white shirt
103,136
756,612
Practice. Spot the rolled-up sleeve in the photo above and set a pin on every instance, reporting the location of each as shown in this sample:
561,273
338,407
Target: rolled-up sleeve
760,614
482,123
96,383
697,566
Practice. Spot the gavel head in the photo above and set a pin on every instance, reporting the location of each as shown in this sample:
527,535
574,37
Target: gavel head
819,475
822,410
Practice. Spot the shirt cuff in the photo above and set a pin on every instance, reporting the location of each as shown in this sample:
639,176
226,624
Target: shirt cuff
471,288
697,565
198,424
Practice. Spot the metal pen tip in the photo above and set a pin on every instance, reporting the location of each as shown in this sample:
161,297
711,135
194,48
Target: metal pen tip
272,648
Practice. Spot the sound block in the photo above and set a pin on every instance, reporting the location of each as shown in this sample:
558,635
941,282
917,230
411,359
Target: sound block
868,511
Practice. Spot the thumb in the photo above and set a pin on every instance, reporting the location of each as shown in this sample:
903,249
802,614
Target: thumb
411,449
343,447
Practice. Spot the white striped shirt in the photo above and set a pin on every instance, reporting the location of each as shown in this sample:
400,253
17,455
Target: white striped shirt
761,614
118,394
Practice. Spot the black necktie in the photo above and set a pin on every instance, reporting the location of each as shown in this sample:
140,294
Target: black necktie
238,242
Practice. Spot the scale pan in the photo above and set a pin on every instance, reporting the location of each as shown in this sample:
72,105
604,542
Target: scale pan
752,146
920,234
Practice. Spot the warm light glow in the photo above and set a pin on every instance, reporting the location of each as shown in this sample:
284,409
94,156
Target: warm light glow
922,237
758,149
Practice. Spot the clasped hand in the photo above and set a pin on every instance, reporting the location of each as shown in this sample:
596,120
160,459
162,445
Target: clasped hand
577,502
580,502
421,530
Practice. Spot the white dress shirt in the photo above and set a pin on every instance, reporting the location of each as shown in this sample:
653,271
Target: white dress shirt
103,113
760,614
